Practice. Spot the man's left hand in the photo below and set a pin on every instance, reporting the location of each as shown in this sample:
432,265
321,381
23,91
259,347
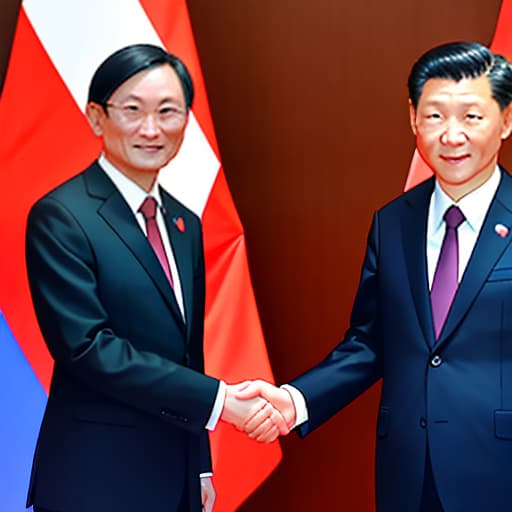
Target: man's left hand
207,493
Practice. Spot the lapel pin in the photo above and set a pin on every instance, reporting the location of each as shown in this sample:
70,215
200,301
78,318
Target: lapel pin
179,223
501,230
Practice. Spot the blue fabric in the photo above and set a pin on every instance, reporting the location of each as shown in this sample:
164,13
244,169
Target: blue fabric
23,400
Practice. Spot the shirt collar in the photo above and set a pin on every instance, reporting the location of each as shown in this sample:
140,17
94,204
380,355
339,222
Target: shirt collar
474,205
131,192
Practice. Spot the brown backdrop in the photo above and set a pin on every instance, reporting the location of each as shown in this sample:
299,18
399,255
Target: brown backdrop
310,107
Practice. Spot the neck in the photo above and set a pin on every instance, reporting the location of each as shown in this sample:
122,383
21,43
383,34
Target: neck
145,178
145,181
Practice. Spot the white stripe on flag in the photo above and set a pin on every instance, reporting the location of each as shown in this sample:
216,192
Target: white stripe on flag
78,35
191,175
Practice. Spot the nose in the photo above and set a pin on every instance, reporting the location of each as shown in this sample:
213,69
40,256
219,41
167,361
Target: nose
453,134
149,126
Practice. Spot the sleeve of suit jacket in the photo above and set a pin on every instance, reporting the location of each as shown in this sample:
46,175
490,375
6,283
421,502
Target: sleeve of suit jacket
115,339
355,363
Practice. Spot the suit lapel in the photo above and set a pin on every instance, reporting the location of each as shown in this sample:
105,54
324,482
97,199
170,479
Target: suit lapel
488,249
118,215
414,228
180,243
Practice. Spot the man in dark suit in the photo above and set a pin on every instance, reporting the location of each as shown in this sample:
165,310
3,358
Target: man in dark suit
117,276
433,313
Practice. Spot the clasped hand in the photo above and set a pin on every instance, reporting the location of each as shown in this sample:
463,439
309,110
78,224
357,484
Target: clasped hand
260,409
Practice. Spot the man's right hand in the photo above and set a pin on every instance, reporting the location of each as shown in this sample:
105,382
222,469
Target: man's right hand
280,399
242,408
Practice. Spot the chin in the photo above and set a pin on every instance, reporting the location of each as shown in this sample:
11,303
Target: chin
152,164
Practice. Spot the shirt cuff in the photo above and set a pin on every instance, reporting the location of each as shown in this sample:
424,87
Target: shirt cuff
218,405
299,402
206,475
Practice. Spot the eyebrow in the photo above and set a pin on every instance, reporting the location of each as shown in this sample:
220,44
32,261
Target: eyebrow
168,99
471,102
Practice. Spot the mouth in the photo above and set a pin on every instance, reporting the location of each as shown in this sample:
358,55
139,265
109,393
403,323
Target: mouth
454,159
149,148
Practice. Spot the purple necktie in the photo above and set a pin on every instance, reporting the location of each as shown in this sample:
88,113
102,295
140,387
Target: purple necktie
148,209
446,277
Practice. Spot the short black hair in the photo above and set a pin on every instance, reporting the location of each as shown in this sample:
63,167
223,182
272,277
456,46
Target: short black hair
458,60
126,62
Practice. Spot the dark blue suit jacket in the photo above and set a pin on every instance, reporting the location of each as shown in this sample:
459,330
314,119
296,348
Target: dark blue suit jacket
453,395
124,424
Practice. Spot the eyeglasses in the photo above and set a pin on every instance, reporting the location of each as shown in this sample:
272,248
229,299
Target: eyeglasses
168,116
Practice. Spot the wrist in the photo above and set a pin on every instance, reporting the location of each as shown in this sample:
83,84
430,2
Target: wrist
289,414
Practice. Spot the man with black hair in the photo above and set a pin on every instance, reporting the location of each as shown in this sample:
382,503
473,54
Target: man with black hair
432,316
116,272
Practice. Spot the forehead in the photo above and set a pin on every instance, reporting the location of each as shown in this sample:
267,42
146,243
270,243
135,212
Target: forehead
156,83
467,90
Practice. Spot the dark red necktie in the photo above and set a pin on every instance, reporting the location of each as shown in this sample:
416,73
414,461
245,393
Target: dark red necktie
446,277
148,209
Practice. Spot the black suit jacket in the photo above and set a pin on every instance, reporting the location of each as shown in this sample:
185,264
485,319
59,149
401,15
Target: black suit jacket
124,424
453,395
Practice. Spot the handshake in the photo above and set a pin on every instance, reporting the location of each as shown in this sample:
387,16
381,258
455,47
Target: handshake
260,409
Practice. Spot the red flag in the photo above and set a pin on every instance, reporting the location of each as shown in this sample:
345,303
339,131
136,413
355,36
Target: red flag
418,172
48,140
502,43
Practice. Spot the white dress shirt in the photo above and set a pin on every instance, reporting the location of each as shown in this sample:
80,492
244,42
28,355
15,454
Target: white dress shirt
474,206
134,196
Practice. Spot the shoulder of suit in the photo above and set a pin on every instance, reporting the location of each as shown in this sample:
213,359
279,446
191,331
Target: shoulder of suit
421,194
68,190
506,174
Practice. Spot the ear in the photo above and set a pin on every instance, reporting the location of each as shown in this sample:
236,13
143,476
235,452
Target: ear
95,115
507,122
412,117
186,122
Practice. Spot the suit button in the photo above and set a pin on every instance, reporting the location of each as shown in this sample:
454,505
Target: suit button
423,423
436,361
